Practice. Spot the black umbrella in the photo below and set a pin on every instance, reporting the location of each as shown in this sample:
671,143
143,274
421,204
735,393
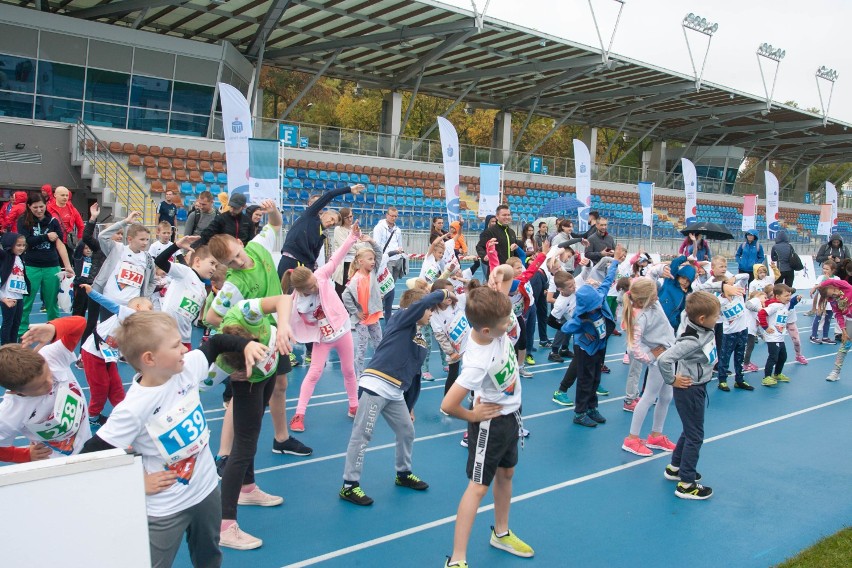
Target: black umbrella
712,231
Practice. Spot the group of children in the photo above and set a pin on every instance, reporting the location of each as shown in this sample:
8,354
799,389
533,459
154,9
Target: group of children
677,318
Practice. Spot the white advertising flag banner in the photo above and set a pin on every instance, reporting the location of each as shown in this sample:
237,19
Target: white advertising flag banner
690,186
749,212
450,147
236,125
489,189
831,199
583,175
773,225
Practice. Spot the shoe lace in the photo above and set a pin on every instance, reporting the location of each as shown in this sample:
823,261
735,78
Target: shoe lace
357,491
413,478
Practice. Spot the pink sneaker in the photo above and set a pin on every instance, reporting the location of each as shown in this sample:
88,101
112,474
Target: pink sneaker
800,359
750,368
626,359
660,442
352,411
297,423
260,498
630,406
636,446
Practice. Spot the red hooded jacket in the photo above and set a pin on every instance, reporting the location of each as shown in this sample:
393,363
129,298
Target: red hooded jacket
10,213
68,217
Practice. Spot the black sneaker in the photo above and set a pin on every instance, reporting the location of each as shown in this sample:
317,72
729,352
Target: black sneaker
743,385
605,369
723,386
545,343
221,462
411,481
829,341
555,358
692,491
291,446
98,420
673,474
584,420
566,353
816,340
355,494
596,416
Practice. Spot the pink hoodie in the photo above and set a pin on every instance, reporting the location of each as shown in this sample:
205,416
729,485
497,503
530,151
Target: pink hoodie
331,303
842,306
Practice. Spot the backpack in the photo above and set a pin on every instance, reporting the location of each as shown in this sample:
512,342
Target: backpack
795,262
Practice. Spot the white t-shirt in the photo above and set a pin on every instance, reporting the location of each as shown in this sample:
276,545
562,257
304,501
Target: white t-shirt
734,315
431,269
776,319
311,311
168,420
491,371
157,247
184,298
106,331
452,322
15,286
126,282
382,388
58,419
563,307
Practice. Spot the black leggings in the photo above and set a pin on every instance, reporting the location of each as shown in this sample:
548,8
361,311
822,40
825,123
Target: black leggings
452,375
249,403
786,277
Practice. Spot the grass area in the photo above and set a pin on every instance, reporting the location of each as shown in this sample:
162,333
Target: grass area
830,552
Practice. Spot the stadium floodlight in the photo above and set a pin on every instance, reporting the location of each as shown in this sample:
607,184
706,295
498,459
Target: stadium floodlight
776,54
698,24
605,51
830,76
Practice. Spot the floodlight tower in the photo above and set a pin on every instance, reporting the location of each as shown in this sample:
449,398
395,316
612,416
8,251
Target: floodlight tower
702,26
606,50
776,54
829,76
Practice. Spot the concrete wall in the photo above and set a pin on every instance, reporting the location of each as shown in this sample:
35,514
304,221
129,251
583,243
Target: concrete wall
50,141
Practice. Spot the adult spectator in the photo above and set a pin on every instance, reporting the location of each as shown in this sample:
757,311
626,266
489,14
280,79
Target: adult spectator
833,250
201,216
507,241
69,218
167,210
306,237
47,193
45,254
437,229
341,233
749,253
255,215
541,235
781,253
12,212
694,244
601,243
235,222
528,238
389,238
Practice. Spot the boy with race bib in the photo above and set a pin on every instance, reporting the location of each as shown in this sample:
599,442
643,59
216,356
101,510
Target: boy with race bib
128,270
43,401
490,370
773,320
163,420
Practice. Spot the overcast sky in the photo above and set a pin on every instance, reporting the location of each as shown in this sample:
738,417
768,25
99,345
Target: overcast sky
811,32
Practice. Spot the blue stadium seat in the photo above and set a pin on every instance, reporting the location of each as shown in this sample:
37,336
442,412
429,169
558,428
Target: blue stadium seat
409,192
209,177
186,188
312,174
365,178
381,189
318,184
199,187
293,195
344,176
380,199
304,195
333,176
291,172
323,175
285,183
215,189
301,174
181,214
308,183
392,200
222,178
409,201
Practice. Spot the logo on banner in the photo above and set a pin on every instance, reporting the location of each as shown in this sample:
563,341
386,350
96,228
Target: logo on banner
582,168
236,126
449,151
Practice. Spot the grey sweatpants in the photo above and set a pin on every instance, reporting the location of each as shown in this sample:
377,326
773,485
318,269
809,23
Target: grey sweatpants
634,375
201,523
364,335
398,418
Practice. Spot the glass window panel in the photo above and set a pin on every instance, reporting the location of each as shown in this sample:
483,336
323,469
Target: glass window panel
58,110
194,99
147,119
105,115
60,80
187,124
107,86
150,92
17,73
16,104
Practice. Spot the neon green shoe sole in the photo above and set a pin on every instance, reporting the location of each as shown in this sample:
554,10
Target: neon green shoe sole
511,544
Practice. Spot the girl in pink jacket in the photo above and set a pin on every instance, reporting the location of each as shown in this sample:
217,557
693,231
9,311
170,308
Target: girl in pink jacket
318,316
839,294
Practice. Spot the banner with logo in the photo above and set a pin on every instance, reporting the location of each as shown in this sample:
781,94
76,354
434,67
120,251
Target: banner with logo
749,212
646,198
236,125
583,175
772,223
831,199
489,189
690,186
450,147
263,170
806,278
825,225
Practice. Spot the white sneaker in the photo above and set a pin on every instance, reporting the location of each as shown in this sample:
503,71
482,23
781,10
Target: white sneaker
260,498
524,373
833,376
233,537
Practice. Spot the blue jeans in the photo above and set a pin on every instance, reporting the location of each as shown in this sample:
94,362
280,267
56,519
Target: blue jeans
690,403
733,343
826,326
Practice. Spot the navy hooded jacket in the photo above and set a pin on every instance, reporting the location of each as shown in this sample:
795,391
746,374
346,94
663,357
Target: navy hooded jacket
749,254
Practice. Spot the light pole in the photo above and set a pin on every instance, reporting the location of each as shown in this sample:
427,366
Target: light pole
776,54
606,50
830,76
702,26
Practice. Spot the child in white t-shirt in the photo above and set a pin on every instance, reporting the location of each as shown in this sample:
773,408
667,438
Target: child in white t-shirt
43,401
163,420
773,320
164,234
128,270
490,369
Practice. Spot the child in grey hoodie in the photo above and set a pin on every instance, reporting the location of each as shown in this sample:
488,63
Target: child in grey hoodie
688,366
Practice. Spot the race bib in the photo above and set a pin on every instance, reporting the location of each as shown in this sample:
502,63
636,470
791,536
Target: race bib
215,376
504,369
458,331
17,283
600,327
188,308
518,305
733,310
386,282
109,354
514,332
268,363
130,275
180,435
327,331
60,428
87,268
710,352
431,274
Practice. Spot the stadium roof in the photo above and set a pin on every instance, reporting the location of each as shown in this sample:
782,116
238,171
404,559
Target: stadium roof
432,48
